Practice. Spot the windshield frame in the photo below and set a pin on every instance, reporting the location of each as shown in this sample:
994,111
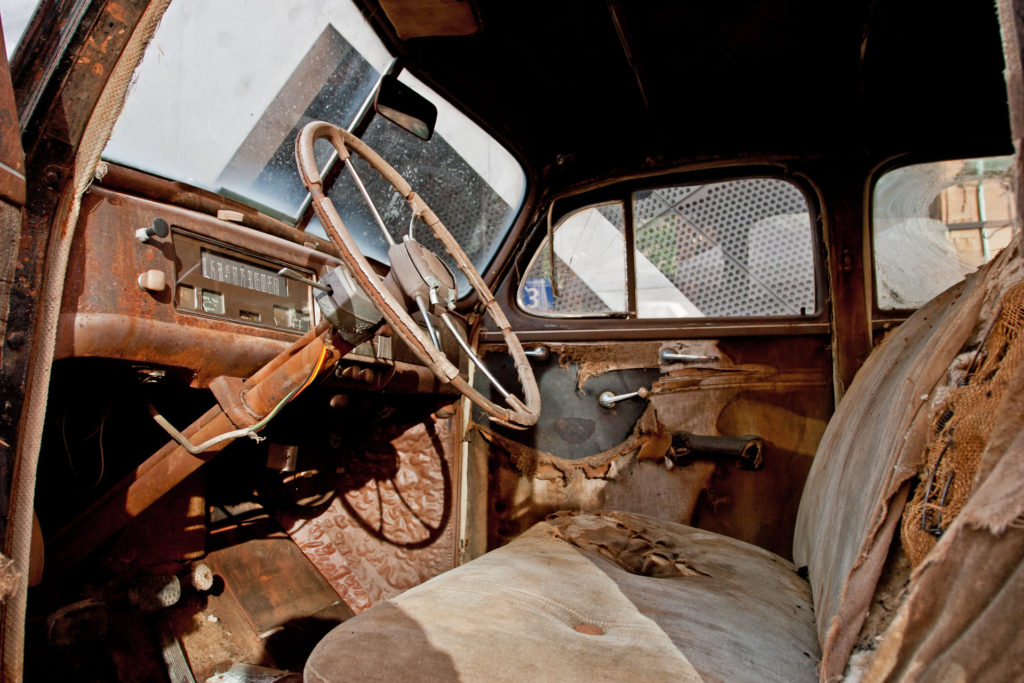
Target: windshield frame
365,117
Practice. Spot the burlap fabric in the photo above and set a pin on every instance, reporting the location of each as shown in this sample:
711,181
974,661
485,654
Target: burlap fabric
962,430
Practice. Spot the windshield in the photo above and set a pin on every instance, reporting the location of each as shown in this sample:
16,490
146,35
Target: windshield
220,109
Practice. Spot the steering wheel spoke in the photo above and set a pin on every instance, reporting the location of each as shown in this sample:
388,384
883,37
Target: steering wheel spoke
418,280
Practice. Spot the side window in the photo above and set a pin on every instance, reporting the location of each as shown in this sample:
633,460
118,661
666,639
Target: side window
934,223
734,248
589,277
729,249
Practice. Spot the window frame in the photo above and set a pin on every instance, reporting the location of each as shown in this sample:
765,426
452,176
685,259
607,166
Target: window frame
538,252
883,319
532,326
365,116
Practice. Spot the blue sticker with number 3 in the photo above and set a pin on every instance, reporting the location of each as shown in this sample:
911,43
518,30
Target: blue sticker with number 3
537,294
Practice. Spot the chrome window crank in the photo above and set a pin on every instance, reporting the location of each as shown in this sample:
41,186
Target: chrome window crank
608,400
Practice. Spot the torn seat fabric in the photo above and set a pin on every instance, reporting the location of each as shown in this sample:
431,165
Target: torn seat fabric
604,595
589,597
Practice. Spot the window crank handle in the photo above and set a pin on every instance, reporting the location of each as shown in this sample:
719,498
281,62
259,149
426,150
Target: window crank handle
608,399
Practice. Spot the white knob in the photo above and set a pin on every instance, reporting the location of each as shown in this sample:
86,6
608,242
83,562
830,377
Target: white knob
153,280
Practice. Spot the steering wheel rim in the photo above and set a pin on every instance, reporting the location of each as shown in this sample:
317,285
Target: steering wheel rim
518,413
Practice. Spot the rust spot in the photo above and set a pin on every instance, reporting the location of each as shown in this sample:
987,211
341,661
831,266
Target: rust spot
589,629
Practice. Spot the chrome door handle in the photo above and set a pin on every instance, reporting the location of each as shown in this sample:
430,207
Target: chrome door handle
670,356
538,353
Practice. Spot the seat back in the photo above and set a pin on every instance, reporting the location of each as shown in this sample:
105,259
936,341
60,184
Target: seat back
873,446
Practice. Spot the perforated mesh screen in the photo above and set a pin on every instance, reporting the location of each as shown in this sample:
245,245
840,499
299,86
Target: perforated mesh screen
470,209
733,248
590,259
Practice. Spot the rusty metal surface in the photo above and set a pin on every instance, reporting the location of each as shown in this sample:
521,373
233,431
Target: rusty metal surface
272,582
61,107
69,88
105,313
228,392
162,471
849,282
573,425
197,199
12,157
390,526
777,388
526,485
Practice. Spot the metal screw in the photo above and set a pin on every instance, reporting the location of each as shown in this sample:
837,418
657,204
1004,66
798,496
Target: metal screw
16,340
52,176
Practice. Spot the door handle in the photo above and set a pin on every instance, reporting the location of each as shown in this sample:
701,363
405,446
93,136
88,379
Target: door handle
670,356
538,353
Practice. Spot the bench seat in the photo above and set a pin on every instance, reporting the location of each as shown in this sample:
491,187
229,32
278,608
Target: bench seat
613,595
582,595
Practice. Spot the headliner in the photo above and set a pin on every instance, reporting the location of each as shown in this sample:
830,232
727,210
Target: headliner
584,89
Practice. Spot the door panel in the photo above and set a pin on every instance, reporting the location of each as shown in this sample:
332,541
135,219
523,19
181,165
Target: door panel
777,388
572,424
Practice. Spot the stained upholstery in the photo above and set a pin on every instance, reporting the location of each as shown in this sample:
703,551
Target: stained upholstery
874,445
605,595
588,597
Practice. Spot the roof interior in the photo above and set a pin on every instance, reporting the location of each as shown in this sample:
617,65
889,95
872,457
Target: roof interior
844,78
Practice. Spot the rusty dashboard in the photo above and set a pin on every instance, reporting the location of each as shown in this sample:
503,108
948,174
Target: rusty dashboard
203,297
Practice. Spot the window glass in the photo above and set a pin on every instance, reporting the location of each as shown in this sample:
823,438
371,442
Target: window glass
934,223
220,109
733,248
590,266
473,185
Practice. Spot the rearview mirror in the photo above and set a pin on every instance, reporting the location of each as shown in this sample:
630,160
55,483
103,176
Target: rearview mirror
405,107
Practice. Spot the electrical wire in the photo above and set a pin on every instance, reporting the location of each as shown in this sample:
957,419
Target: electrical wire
292,394
251,431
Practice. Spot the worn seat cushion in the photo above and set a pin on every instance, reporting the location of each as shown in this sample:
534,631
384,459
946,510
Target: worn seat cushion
590,596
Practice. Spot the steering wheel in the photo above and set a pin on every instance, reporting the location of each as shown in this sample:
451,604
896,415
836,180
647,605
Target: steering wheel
417,277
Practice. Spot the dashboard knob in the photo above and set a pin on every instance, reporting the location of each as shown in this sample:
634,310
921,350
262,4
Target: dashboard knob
153,280
159,228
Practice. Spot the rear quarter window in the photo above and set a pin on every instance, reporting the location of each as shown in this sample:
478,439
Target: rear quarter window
934,223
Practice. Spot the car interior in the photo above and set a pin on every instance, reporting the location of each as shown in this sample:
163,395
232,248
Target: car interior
472,340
